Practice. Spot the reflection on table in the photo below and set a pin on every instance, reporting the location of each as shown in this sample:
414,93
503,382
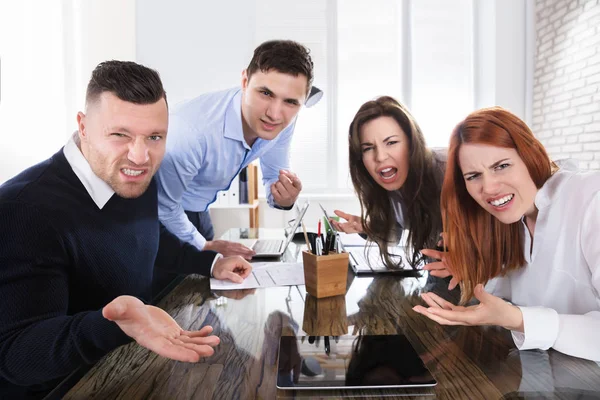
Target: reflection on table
467,362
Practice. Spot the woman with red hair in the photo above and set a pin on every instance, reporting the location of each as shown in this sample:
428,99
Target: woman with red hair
527,228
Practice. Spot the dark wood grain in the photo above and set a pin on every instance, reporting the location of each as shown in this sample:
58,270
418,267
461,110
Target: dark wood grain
468,362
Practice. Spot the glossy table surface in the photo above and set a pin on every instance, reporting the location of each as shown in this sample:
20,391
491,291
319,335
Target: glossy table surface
467,362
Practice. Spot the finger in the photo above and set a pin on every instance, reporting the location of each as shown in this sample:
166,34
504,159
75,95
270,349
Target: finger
243,271
164,347
432,253
275,192
432,313
204,331
453,283
440,273
342,214
201,349
291,183
481,294
459,317
235,278
434,301
113,311
211,340
438,300
438,265
285,180
283,192
243,250
429,301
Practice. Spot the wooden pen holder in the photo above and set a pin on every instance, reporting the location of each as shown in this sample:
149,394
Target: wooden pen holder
325,276
325,317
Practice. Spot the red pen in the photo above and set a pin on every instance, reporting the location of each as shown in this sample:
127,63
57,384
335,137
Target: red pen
319,236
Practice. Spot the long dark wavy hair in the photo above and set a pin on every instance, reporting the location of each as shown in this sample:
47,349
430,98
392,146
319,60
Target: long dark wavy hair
420,192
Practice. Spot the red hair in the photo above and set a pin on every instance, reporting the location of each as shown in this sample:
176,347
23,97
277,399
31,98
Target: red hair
479,246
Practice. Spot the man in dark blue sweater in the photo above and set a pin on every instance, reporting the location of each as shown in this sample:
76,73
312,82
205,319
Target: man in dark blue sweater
80,235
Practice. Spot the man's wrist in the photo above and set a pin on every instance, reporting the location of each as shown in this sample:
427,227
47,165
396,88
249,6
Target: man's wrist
218,256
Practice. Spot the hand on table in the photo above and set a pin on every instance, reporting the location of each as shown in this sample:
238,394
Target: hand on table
235,269
286,190
491,310
353,223
229,249
155,330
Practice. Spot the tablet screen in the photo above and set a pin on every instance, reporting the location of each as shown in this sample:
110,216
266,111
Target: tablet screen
350,362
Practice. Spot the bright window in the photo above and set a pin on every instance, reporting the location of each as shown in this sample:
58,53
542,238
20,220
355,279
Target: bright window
419,52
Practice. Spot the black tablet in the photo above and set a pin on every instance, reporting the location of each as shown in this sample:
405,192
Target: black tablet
350,362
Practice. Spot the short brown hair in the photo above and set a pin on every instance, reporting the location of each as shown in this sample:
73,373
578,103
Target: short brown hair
285,56
127,80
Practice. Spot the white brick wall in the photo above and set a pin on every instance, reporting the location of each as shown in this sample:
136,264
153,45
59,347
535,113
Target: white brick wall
566,90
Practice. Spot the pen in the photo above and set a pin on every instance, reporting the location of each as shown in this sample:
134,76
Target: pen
306,237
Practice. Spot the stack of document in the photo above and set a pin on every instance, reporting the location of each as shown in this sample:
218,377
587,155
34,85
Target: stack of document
367,259
265,274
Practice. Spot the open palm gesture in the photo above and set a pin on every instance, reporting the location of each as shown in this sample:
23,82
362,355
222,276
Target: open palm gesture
155,330
353,223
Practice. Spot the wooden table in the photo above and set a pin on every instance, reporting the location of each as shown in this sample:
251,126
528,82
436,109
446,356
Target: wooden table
468,362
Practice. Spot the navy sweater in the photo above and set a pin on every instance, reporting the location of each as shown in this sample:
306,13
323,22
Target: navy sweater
61,260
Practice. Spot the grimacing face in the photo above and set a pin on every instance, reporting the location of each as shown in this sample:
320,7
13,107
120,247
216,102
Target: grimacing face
123,142
270,101
498,180
385,152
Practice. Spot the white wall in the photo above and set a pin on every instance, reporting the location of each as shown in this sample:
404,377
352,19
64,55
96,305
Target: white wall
566,107
196,50
500,55
89,38
197,46
48,50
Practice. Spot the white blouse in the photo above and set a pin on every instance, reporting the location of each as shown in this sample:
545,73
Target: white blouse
558,291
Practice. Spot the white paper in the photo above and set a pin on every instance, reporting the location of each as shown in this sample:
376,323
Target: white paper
265,274
352,239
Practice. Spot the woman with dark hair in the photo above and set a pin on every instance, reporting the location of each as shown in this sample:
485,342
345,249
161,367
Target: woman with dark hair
514,218
397,179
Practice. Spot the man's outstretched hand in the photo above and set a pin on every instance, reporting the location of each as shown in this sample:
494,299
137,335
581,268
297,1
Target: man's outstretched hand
155,330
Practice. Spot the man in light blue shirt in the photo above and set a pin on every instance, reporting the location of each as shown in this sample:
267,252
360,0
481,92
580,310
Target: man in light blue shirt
214,136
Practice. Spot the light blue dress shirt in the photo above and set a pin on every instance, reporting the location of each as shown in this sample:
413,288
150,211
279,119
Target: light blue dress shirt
205,151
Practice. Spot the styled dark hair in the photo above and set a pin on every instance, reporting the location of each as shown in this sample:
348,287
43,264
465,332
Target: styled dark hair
285,56
420,192
127,80
480,247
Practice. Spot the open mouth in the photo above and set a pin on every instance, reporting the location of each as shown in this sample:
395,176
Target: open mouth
388,173
503,201
132,172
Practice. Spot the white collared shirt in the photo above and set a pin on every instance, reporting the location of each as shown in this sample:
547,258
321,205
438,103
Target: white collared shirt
98,189
558,291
